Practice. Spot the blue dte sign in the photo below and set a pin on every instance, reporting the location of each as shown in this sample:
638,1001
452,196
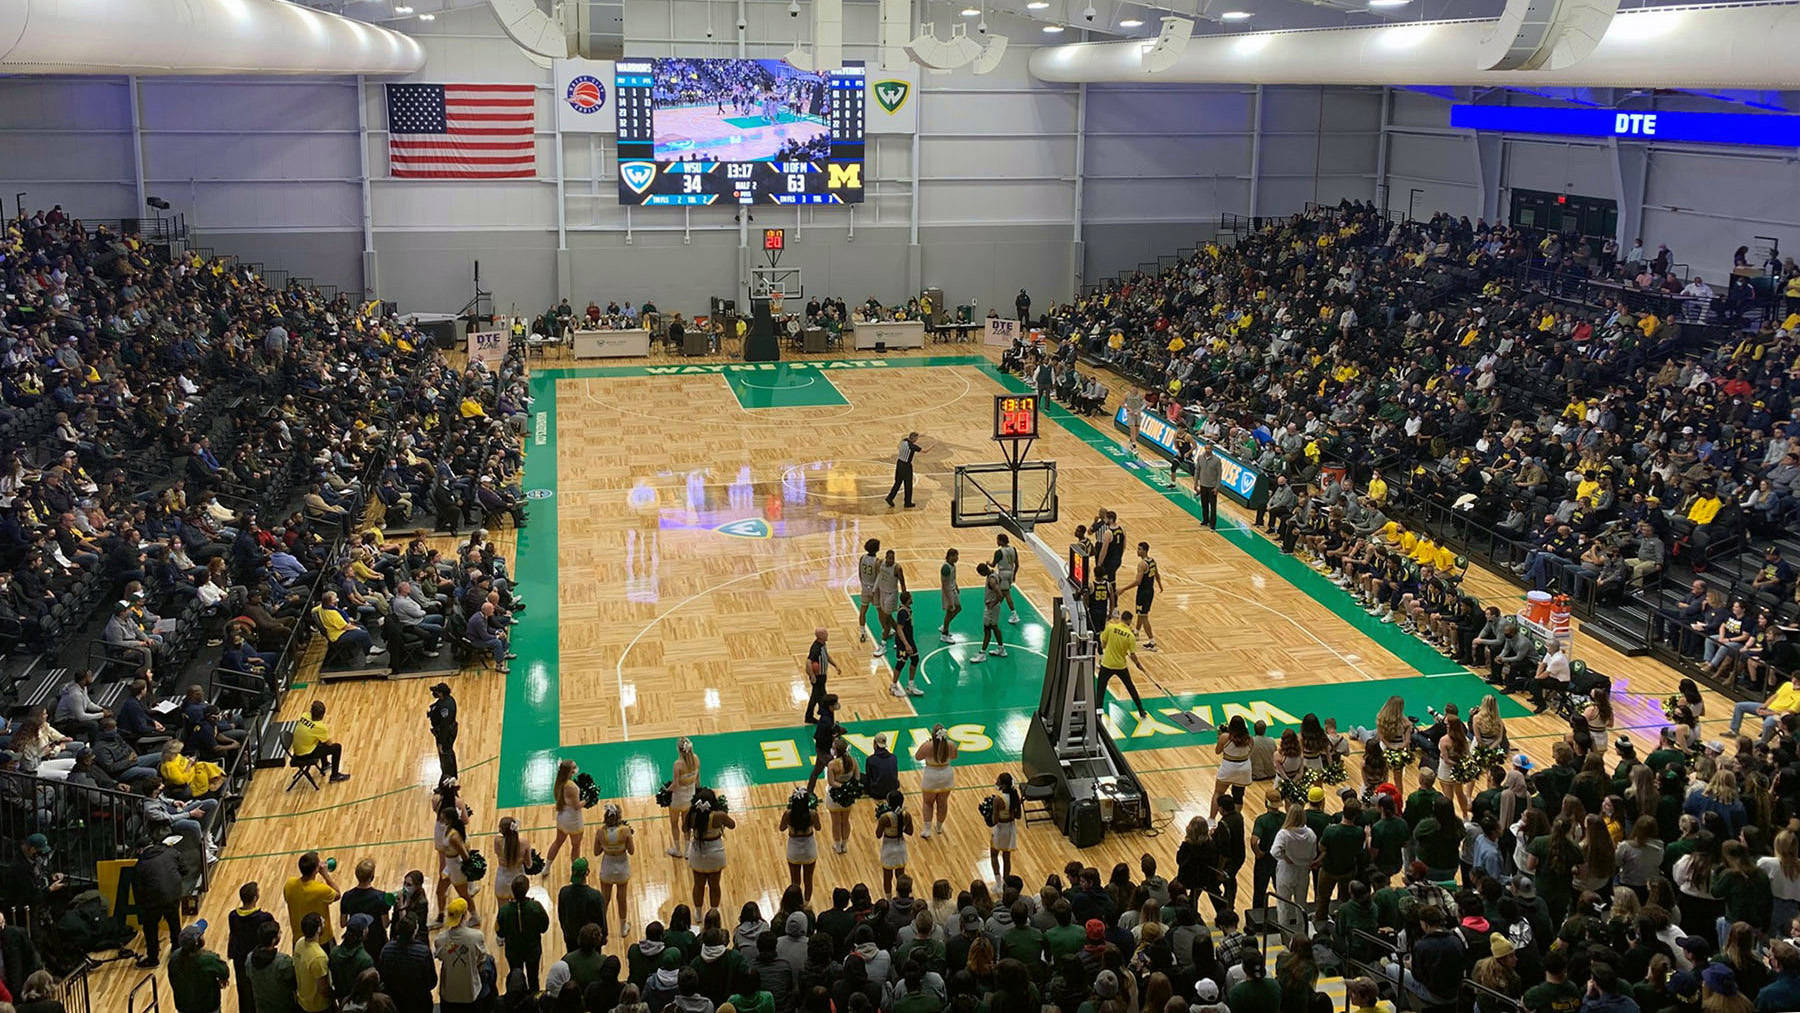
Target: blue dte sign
1760,129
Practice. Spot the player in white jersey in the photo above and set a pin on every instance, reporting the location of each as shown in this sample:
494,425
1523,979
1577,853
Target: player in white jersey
1006,565
866,569
890,580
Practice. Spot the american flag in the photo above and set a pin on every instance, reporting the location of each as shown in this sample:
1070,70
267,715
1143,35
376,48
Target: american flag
462,131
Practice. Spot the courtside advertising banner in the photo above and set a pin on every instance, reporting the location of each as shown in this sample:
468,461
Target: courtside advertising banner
488,347
584,97
1000,331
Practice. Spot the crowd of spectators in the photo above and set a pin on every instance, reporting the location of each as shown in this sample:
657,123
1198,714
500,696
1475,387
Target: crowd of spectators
1601,440
202,463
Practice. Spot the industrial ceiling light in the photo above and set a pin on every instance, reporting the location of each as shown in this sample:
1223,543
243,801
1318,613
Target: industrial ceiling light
1131,22
1236,16
403,9
1038,5
428,17
1389,3
1053,29
970,12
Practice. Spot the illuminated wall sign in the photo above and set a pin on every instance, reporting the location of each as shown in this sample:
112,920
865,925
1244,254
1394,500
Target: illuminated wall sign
1694,128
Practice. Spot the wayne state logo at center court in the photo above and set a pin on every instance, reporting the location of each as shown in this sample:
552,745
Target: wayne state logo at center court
891,95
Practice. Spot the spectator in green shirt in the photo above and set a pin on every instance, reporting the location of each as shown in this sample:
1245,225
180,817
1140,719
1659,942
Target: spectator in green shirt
1022,942
197,975
1257,993
1422,801
1262,838
1342,846
520,927
1388,836
1666,751
1557,994
349,958
1437,839
1067,938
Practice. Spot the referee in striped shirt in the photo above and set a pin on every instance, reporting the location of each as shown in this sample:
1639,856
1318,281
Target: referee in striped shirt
903,469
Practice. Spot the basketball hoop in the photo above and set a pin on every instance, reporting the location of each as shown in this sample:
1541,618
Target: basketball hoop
775,297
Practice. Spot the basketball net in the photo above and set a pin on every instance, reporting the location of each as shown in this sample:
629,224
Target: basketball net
775,303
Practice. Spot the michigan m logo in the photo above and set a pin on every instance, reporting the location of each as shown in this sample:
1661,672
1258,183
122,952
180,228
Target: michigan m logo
847,176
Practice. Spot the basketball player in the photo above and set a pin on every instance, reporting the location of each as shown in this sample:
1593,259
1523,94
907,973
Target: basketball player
990,616
1148,581
950,593
1118,646
1112,551
906,648
890,581
866,569
1134,413
1006,565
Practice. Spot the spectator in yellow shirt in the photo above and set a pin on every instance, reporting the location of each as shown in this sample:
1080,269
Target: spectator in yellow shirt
308,894
312,737
1705,507
1784,701
1378,487
312,971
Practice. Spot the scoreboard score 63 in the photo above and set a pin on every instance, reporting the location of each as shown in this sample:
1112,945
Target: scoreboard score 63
1015,416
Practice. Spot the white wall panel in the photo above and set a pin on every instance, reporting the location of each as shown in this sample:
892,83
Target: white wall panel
1559,167
942,203
47,156
250,156
66,103
1171,109
225,104
1000,113
1197,198
433,204
997,158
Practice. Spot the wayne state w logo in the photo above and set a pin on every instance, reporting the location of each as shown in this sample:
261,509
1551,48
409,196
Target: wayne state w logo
891,95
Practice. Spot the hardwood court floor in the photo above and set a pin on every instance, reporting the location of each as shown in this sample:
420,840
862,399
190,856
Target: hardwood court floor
651,622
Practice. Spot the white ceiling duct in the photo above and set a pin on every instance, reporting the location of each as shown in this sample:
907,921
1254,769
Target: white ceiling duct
1736,46
194,37
1545,34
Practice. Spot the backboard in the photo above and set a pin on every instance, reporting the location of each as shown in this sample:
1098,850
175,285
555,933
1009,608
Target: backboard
1016,497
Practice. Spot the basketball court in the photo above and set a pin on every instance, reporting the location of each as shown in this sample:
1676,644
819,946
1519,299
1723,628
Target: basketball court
732,135
691,524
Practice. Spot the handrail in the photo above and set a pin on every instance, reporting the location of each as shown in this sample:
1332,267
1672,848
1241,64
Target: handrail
155,1004
1482,996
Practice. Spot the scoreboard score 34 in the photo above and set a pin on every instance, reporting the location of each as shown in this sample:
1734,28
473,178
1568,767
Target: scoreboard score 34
1015,416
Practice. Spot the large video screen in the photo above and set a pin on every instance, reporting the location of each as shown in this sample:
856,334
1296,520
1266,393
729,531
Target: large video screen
696,132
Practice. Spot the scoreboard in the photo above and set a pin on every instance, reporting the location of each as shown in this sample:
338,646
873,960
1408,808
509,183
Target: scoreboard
1015,416
646,180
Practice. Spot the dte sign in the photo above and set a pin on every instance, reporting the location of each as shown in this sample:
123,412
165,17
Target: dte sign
1635,124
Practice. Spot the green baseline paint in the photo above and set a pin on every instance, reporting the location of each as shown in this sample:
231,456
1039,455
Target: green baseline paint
531,734
1004,684
784,387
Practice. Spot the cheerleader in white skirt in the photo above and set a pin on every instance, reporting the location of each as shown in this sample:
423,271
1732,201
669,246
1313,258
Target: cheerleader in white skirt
615,843
892,827
841,768
568,813
1003,828
936,779
706,826
800,822
682,780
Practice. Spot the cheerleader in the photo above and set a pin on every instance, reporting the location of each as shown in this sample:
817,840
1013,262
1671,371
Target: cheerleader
1487,729
1313,744
447,794
1289,761
1394,732
1003,828
510,855
707,822
1599,714
892,825
1337,745
453,847
800,822
682,780
1453,749
1233,749
614,843
937,779
841,769
568,813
